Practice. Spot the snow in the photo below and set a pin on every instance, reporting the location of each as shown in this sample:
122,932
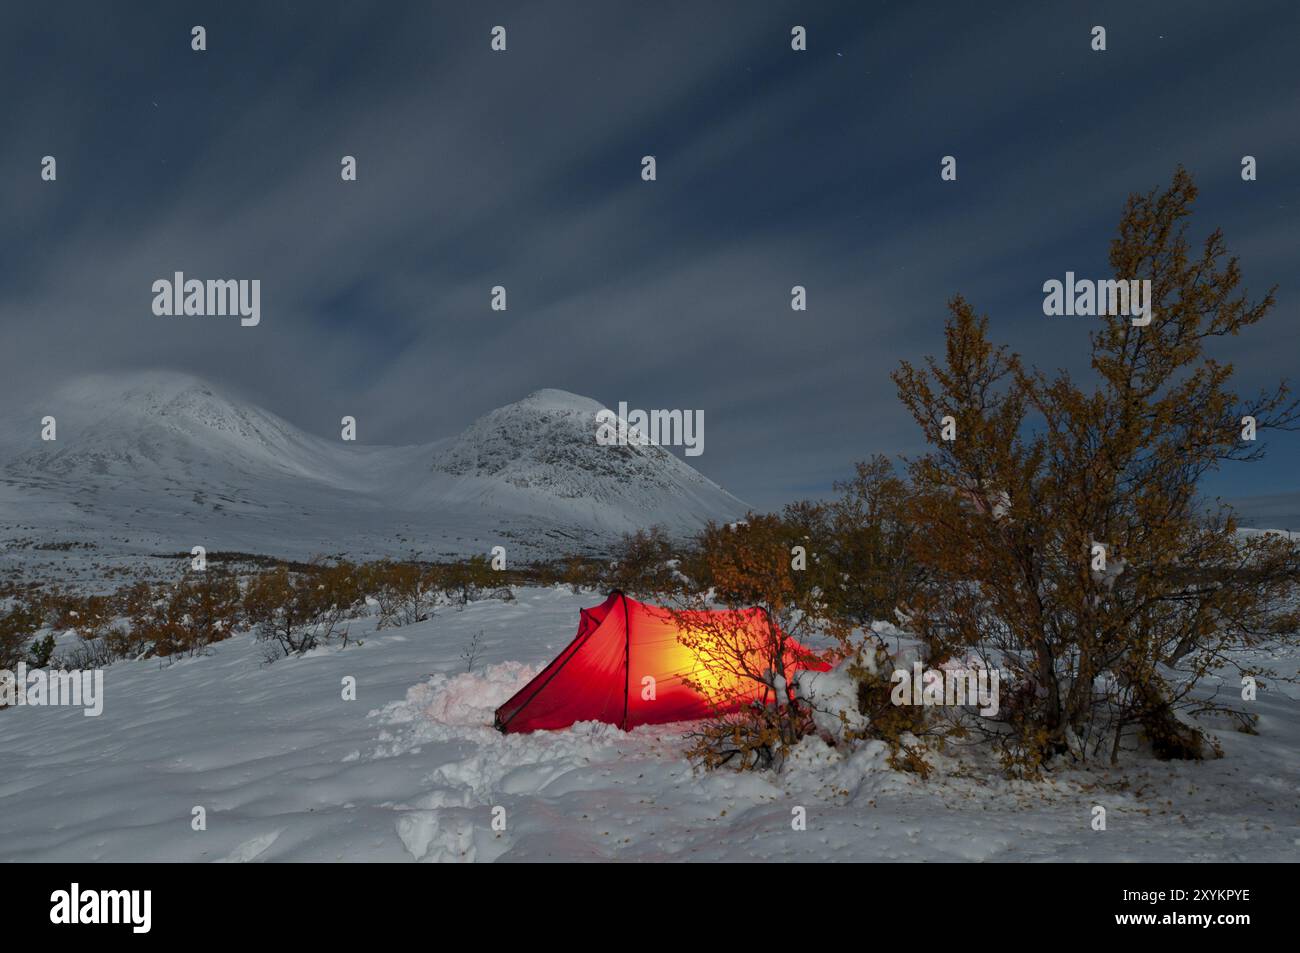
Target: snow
832,694
544,448
412,770
157,462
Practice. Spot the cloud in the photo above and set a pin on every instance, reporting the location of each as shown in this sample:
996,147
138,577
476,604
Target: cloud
521,169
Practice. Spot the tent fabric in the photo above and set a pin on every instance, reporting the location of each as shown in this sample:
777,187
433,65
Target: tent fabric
599,675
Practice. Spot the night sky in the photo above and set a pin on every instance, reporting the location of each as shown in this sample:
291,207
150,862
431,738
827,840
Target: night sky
476,168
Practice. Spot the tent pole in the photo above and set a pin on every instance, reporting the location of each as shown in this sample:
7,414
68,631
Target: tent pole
627,655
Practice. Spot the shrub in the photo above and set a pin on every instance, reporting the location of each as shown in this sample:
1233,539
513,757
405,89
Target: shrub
41,650
90,616
643,565
1045,469
581,574
296,611
406,592
201,608
462,582
868,572
749,565
17,627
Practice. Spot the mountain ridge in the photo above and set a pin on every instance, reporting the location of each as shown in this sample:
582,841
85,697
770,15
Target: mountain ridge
178,459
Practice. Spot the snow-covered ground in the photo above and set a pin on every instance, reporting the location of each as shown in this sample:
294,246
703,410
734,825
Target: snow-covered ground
412,770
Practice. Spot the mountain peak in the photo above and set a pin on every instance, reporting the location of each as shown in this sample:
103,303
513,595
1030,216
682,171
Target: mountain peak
171,424
550,398
541,454
135,384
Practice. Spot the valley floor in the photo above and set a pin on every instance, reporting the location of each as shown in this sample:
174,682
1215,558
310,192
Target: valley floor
285,769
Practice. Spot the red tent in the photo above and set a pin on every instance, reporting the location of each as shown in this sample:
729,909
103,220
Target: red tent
627,667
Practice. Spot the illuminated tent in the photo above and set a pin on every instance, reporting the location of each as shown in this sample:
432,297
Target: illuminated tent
627,667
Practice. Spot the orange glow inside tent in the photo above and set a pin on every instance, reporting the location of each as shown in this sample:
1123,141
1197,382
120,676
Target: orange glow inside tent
633,664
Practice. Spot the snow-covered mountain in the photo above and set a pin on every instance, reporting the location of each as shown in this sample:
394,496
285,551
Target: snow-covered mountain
542,452
160,462
166,425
